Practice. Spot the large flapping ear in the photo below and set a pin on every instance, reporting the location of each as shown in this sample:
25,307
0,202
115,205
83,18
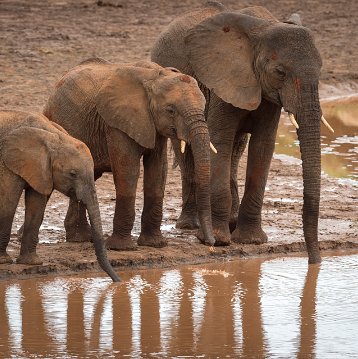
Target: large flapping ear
27,153
220,51
124,104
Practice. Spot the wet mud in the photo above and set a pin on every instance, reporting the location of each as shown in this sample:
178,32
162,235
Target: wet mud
42,39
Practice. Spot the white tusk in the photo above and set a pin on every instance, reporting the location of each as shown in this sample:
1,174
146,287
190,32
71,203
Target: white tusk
213,148
327,124
293,120
182,146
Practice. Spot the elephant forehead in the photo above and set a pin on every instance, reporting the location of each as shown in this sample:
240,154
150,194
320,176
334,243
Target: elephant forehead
77,147
189,93
291,39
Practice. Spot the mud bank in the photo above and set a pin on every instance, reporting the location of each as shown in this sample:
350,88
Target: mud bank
177,253
338,227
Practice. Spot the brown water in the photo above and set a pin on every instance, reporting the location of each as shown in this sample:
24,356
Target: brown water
243,309
339,149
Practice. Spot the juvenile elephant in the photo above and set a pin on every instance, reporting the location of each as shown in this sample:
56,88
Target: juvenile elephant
249,66
124,112
38,157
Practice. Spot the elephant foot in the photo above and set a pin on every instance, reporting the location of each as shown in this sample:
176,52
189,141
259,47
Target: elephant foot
5,259
156,241
29,258
119,243
222,238
82,233
187,221
249,235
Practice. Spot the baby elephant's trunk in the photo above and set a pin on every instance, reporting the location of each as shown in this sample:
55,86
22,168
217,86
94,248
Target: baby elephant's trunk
97,233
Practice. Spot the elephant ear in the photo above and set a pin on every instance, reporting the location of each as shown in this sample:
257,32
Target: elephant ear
26,152
123,103
294,19
220,51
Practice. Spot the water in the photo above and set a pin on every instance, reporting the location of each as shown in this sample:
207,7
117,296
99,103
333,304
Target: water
339,149
251,308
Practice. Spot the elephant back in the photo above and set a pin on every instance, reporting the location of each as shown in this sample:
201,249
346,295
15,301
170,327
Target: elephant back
73,97
168,49
11,120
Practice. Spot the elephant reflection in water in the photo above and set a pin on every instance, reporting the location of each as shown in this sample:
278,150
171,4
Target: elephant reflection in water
5,336
22,323
185,312
308,314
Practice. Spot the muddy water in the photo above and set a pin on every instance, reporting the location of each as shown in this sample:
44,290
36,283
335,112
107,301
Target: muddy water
251,308
339,149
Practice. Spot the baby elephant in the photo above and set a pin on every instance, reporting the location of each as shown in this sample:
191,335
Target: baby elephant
39,156
124,112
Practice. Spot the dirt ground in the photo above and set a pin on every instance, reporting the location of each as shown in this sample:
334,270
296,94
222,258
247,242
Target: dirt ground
39,40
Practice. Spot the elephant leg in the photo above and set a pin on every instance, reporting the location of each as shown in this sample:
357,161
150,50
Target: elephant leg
188,218
125,156
261,147
76,224
5,232
155,173
10,196
239,147
35,204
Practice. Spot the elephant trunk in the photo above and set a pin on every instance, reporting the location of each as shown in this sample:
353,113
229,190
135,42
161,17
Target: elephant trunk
91,203
200,145
308,118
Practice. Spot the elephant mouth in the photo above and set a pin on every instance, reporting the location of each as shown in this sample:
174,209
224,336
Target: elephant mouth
71,193
292,118
183,146
172,132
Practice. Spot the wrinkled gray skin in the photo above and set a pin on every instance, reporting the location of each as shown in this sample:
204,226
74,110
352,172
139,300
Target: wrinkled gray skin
125,112
39,156
249,66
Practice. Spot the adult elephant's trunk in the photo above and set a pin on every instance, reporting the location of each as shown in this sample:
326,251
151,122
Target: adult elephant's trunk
91,203
308,118
200,145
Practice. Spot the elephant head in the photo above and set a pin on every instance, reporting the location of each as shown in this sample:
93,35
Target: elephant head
51,159
249,55
147,101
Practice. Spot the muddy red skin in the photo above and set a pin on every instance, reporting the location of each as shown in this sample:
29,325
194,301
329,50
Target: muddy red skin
38,157
125,113
250,66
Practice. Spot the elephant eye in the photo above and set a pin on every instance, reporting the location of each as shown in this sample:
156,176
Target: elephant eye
73,173
170,109
280,72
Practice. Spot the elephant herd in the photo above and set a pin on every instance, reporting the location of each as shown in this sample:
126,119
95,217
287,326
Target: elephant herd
217,81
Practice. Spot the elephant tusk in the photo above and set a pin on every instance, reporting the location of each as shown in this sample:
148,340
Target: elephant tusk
327,124
293,120
213,148
182,146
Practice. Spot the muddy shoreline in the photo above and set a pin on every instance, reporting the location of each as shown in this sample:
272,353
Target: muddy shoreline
42,39
338,228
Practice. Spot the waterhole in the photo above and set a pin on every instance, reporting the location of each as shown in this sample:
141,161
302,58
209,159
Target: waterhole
339,149
250,308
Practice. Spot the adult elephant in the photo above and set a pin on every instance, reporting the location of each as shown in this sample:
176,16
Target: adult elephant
124,112
249,66
39,156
